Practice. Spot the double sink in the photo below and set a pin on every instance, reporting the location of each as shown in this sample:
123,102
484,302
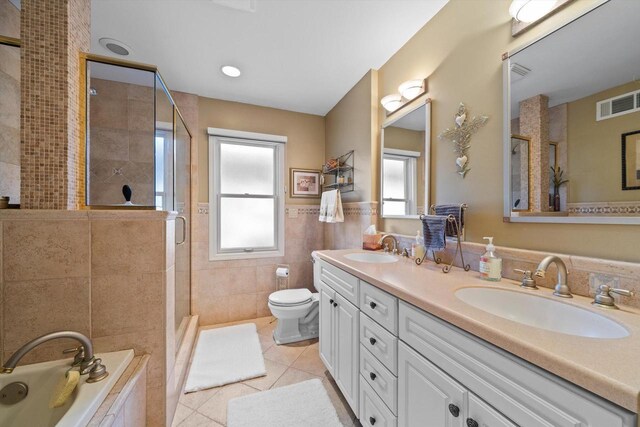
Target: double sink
524,307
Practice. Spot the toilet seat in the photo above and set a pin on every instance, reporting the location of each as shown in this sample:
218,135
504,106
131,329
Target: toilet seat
290,297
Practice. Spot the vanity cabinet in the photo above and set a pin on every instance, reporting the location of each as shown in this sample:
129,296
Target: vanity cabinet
339,331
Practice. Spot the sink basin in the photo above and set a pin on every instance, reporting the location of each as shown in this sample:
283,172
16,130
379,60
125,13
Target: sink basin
543,313
373,258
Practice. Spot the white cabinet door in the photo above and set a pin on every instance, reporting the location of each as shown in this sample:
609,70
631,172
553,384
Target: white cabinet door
480,414
425,393
327,310
347,342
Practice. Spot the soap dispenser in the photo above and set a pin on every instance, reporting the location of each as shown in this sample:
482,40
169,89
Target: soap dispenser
490,263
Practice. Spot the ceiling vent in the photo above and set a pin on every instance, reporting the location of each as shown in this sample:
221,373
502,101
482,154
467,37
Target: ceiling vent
518,72
618,105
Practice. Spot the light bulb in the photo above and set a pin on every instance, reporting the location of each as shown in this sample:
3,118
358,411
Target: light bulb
391,102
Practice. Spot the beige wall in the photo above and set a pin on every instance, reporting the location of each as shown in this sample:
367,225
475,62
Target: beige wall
460,51
10,104
352,125
594,150
305,133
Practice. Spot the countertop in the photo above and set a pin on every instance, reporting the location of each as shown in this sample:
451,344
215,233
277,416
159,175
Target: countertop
606,367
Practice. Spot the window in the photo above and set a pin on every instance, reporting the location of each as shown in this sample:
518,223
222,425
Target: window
398,182
246,194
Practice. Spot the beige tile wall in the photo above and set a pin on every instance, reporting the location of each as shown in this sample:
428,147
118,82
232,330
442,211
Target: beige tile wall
106,274
358,216
225,291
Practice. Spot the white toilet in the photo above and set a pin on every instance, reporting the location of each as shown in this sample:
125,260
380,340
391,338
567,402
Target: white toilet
297,311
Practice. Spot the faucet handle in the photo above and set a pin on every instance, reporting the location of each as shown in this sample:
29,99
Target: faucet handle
605,300
527,280
73,350
622,292
79,354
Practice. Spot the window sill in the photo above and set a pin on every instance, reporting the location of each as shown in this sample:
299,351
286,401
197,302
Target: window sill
245,255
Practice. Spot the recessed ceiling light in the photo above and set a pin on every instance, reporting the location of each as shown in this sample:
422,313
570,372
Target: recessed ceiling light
230,70
115,46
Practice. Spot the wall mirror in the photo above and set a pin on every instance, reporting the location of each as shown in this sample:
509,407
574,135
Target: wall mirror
572,95
405,161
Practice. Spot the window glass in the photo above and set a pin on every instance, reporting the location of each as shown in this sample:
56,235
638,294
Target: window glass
247,223
394,179
246,169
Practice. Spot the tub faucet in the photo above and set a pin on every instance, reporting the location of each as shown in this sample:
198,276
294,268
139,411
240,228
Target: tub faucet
562,289
85,358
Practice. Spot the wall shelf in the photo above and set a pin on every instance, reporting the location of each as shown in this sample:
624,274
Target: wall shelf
339,176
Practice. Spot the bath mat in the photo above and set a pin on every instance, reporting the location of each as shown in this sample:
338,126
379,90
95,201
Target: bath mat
302,404
225,355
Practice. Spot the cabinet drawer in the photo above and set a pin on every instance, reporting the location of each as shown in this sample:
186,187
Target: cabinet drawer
379,378
524,393
379,342
380,306
342,282
373,412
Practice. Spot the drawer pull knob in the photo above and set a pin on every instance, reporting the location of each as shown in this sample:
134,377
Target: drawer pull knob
330,301
455,411
372,305
335,304
472,423
372,341
372,376
372,420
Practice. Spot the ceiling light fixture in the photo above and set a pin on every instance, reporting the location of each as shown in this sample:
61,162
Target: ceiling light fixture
230,70
391,102
411,88
115,46
530,10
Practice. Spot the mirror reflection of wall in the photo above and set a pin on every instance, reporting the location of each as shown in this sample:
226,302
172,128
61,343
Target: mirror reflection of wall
403,165
573,94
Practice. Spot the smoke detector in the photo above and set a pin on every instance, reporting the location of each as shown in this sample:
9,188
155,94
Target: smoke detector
115,46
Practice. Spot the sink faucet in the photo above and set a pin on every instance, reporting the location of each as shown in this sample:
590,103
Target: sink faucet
85,357
562,289
393,239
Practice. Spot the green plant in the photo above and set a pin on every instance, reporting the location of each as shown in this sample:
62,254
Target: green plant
557,177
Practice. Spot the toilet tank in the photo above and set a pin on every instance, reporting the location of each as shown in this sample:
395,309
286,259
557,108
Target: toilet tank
316,270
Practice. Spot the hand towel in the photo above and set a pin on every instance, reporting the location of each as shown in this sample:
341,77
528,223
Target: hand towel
331,207
433,227
456,211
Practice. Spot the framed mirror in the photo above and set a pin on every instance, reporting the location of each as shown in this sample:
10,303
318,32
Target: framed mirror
404,161
572,94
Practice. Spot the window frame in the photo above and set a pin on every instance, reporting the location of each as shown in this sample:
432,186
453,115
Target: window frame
277,142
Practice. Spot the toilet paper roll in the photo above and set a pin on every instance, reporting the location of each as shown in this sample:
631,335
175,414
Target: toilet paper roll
282,272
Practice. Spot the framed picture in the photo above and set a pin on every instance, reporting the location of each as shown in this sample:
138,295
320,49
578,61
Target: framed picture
304,183
631,160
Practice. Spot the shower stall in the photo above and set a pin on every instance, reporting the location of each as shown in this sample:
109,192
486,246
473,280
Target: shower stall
138,155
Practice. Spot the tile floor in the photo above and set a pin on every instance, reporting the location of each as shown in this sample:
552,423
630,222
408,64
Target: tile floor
286,364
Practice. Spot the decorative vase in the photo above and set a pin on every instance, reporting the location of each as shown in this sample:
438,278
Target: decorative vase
556,201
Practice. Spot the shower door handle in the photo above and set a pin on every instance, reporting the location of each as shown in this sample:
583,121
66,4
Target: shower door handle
184,229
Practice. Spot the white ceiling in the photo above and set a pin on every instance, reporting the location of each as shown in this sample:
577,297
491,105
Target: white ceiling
599,51
298,55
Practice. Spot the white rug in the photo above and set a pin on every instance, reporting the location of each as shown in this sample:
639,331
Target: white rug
302,404
225,355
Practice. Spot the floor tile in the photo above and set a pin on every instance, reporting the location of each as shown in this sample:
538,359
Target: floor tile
268,328
309,361
197,399
182,413
285,354
274,371
216,407
266,342
197,419
293,376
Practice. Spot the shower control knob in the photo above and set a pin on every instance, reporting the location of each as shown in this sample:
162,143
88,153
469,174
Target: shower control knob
372,376
372,420
372,305
372,341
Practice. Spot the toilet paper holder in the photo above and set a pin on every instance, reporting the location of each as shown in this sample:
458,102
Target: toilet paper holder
282,277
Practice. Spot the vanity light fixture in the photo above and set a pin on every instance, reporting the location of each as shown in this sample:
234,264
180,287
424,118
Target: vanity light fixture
411,88
230,70
391,102
530,10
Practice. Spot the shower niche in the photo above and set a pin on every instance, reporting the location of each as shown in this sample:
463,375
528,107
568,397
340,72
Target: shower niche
135,137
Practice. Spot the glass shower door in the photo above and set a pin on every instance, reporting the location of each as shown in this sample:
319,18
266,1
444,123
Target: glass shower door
183,226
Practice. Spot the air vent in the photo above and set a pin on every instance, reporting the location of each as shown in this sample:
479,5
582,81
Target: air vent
518,72
618,106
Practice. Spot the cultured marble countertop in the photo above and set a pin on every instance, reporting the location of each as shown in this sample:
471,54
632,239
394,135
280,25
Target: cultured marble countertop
606,367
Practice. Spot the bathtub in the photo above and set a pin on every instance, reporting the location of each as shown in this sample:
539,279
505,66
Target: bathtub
41,378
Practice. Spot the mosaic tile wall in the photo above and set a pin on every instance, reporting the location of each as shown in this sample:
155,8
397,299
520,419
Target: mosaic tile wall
534,123
52,33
